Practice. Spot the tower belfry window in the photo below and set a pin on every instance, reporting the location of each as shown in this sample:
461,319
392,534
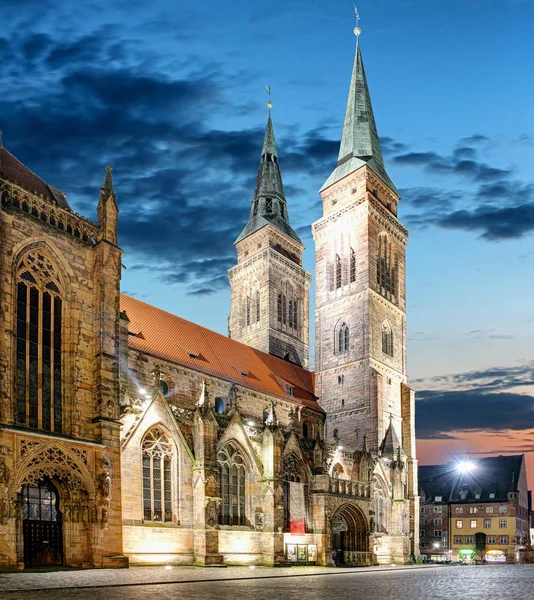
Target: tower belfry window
352,266
338,271
255,208
387,339
386,270
343,338
268,205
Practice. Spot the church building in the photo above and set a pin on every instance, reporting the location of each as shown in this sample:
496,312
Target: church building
129,435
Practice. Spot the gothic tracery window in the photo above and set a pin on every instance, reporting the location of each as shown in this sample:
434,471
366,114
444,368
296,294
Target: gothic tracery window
386,269
352,266
338,271
157,484
387,339
232,486
343,338
38,371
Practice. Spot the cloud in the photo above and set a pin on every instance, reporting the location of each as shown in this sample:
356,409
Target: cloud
440,413
484,380
494,224
461,164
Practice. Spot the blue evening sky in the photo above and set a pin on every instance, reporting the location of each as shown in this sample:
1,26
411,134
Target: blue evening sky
172,95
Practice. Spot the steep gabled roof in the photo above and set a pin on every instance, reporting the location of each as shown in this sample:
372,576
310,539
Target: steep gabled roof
13,170
171,338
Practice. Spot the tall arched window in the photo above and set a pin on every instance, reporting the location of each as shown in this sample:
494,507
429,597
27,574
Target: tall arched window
248,310
38,371
352,266
338,271
232,486
157,484
343,338
258,306
387,339
386,270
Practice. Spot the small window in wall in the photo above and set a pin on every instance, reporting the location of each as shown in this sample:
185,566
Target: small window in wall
342,402
352,266
338,271
164,387
341,379
219,406
258,306
305,429
248,310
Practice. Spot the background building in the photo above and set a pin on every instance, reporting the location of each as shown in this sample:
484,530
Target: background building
475,510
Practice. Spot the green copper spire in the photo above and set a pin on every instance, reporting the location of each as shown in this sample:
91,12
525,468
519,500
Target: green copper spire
268,202
359,142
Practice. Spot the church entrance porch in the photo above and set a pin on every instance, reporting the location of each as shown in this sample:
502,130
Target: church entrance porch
350,537
42,528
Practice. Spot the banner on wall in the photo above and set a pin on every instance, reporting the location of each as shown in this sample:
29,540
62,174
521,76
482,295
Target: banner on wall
297,509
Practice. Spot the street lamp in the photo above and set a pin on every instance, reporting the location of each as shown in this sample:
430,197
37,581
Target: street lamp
465,466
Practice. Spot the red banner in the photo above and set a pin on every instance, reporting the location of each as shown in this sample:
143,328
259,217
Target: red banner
297,510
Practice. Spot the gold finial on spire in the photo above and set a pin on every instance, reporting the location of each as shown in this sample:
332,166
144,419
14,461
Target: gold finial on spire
357,29
269,103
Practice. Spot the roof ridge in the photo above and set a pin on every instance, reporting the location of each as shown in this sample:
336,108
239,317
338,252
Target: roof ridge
225,337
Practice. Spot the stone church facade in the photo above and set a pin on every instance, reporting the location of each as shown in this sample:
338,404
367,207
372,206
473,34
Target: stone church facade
131,436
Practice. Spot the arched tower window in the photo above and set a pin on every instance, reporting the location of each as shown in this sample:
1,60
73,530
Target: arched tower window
338,271
248,310
352,266
38,370
387,339
343,338
232,486
386,270
305,429
157,484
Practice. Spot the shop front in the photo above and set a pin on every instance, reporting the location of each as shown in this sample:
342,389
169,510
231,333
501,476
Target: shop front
301,554
495,556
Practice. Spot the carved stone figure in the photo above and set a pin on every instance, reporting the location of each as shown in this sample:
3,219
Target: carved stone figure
211,512
4,473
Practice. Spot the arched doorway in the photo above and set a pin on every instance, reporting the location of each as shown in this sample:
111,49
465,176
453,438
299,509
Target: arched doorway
41,525
350,536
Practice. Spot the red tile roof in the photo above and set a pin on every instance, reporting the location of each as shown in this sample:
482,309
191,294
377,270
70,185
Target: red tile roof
13,170
166,336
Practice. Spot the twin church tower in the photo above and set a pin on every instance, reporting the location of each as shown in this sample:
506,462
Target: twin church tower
360,317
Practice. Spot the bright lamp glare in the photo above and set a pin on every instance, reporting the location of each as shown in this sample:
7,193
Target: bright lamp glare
465,466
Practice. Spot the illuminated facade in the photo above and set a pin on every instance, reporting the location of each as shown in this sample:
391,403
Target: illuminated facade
475,515
130,435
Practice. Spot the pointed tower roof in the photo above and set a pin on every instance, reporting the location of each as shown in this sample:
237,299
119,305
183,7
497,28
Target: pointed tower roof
391,442
360,143
107,188
269,204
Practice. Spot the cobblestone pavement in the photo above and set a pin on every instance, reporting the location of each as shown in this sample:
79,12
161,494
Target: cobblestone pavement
505,582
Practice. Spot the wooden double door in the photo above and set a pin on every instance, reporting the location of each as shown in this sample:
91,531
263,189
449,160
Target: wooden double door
42,525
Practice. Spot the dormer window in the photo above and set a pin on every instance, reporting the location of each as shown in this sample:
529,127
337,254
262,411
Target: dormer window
289,390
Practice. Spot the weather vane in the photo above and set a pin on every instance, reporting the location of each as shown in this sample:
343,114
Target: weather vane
357,29
269,104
